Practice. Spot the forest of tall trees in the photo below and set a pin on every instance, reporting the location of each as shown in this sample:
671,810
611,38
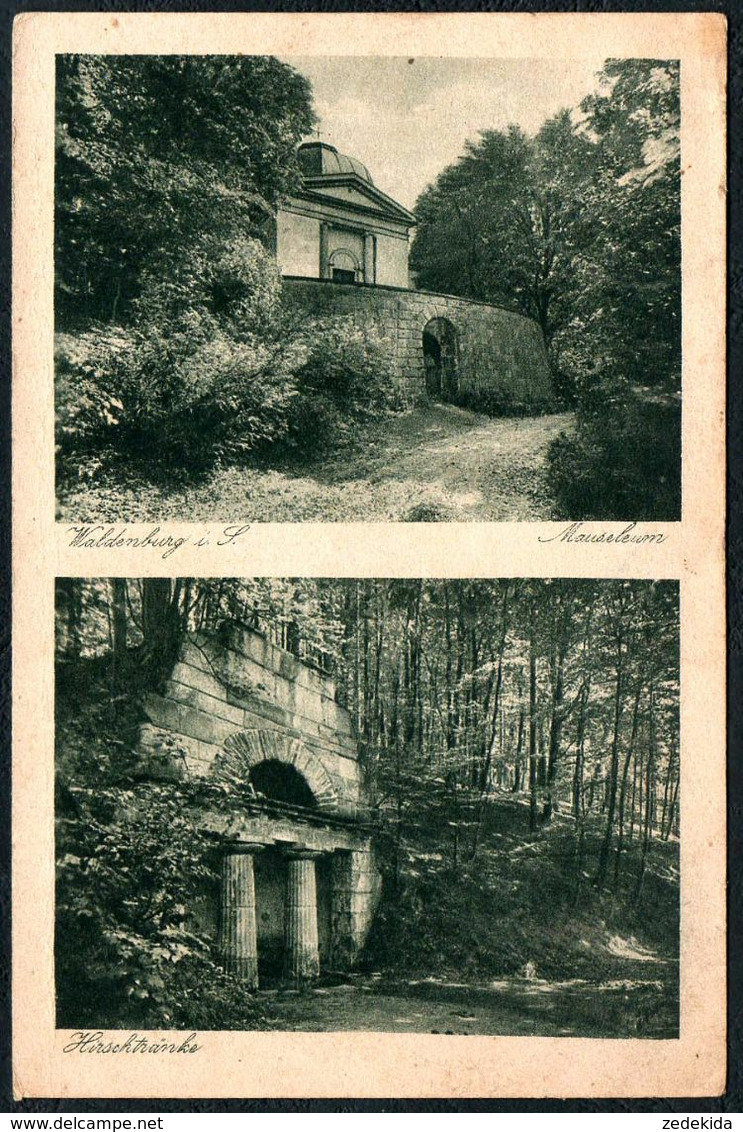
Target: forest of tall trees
551,705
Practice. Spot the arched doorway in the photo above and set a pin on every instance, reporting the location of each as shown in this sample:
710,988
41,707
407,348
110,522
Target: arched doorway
245,750
440,359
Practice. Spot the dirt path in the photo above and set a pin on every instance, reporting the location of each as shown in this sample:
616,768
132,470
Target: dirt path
628,1007
436,464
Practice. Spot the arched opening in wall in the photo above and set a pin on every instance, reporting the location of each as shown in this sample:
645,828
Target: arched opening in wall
281,782
344,266
441,359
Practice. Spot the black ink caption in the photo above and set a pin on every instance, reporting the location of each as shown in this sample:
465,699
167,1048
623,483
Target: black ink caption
100,537
93,1041
578,532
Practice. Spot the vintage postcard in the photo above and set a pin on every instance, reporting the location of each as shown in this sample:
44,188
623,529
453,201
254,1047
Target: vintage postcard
369,645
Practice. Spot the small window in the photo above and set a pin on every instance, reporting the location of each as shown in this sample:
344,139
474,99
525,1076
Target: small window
342,275
344,266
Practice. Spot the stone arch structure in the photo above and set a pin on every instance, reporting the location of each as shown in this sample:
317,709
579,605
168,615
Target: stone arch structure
298,883
441,358
247,749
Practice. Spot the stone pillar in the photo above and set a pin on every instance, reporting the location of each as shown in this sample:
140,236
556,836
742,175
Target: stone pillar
238,932
342,949
301,954
352,906
370,265
323,268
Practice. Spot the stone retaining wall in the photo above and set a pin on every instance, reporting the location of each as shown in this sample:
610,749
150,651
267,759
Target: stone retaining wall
502,360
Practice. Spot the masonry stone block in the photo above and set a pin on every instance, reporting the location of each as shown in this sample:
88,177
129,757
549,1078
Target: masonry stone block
501,354
238,703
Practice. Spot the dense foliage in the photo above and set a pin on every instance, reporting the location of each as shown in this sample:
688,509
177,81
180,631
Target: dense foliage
156,157
172,346
519,741
579,228
129,859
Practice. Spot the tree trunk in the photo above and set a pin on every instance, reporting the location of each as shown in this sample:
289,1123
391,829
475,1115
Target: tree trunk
623,788
532,726
485,774
649,797
118,634
69,597
613,771
161,623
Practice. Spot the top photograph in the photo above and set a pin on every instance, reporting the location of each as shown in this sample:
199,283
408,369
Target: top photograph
367,289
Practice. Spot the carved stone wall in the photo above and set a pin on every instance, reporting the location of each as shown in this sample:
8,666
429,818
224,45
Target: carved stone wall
235,702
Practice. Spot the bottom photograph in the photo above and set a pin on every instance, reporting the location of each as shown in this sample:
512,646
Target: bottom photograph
393,805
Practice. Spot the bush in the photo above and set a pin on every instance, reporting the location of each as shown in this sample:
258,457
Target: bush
129,863
211,372
87,408
185,400
347,374
201,376
623,460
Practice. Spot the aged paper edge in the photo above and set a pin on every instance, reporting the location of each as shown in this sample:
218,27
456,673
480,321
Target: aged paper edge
361,1064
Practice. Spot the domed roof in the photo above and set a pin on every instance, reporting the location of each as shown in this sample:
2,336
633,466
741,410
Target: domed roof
318,159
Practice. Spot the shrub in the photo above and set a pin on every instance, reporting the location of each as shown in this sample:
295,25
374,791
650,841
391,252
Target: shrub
623,460
211,371
129,863
182,400
350,365
87,407
346,375
203,375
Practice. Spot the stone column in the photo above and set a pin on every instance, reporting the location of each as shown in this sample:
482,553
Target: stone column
238,931
301,955
370,266
323,269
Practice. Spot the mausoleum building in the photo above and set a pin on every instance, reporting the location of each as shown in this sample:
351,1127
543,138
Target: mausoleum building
342,246
341,227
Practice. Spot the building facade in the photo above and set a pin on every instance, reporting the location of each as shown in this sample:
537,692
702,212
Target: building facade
342,246
298,885
340,227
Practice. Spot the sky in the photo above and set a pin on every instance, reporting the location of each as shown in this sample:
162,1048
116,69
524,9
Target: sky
407,119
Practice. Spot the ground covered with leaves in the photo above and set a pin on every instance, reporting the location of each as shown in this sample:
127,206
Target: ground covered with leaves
433,464
521,936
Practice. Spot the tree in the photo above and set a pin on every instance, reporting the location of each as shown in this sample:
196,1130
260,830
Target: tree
157,156
578,227
626,295
485,228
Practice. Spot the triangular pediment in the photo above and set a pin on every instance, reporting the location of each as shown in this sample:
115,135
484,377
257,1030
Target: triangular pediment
353,192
